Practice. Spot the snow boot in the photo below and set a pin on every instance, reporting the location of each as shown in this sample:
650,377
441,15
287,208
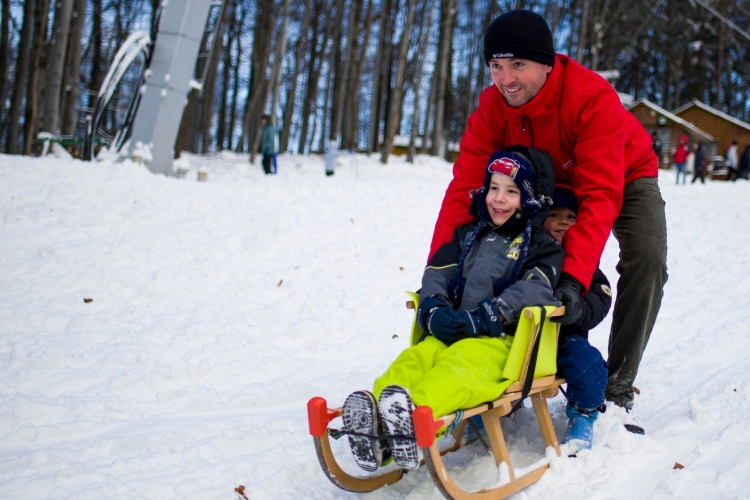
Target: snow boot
360,415
623,414
395,407
580,433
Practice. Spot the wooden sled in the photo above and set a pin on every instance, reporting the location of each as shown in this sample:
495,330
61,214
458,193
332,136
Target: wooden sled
426,426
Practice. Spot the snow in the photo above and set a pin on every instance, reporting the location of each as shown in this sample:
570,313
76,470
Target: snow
219,308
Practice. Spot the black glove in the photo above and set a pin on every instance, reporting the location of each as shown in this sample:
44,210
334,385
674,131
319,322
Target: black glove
490,318
450,326
568,292
427,307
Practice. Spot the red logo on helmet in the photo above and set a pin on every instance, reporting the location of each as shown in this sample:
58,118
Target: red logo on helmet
506,166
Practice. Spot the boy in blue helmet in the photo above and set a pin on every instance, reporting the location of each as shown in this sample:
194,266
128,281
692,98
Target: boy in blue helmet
580,363
473,290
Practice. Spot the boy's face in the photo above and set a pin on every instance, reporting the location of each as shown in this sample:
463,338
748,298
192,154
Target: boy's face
519,80
559,221
503,198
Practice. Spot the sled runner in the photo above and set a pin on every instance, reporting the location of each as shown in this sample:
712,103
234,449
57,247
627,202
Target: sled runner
530,371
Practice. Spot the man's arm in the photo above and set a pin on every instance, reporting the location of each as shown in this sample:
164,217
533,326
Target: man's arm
599,180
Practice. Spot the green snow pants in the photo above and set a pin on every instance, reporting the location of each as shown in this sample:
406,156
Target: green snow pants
450,378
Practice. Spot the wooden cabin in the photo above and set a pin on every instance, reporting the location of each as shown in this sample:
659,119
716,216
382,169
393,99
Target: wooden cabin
722,126
669,127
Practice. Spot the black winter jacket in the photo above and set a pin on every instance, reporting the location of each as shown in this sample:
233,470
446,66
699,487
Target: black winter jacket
492,258
595,304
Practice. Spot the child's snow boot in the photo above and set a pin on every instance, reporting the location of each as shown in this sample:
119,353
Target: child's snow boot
395,407
580,433
360,415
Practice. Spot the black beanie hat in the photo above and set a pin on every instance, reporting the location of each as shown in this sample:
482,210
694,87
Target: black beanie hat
564,197
520,34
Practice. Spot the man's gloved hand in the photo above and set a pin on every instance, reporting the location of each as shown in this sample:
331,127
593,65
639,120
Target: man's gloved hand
568,291
450,326
490,318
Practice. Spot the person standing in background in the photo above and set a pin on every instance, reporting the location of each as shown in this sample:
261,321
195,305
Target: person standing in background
699,167
268,144
680,154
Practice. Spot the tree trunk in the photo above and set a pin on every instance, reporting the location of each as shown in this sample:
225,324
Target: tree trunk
382,62
313,74
343,71
56,62
4,51
265,21
97,65
226,61
22,69
424,38
350,125
440,78
291,95
278,59
236,77
209,82
73,70
36,67
582,32
397,96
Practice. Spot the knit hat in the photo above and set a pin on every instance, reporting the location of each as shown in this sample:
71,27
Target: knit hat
516,166
563,197
521,34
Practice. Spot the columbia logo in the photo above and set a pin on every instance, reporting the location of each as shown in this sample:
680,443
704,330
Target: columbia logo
502,54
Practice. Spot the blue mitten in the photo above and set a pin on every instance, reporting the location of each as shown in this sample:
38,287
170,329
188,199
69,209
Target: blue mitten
490,318
427,307
450,326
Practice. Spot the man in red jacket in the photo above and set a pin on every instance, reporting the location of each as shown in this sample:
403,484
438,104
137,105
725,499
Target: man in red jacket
550,102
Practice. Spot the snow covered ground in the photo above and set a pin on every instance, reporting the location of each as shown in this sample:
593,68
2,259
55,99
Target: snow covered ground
219,308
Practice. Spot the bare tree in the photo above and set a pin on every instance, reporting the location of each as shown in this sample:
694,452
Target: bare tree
55,64
291,95
397,96
71,89
22,70
440,78
36,67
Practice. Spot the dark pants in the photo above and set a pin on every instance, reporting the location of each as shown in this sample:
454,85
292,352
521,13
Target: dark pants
584,370
698,174
641,230
267,166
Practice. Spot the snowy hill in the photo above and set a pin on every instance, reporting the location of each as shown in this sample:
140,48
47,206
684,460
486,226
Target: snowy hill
219,308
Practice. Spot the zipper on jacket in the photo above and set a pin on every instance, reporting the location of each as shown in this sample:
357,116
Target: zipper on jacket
531,129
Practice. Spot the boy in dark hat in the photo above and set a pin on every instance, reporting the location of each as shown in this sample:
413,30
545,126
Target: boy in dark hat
473,290
578,362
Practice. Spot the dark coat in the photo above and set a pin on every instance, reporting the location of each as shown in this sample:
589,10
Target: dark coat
491,259
595,303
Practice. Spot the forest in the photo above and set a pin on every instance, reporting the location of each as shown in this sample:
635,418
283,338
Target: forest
359,72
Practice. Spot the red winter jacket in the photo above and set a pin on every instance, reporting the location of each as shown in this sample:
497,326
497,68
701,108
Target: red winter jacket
680,153
597,146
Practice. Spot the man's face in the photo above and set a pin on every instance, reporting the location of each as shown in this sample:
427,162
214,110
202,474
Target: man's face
519,80
263,122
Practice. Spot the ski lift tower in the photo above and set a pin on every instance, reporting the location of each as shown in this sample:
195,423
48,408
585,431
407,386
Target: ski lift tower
168,80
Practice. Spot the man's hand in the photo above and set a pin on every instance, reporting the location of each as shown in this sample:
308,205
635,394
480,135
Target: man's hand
568,292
